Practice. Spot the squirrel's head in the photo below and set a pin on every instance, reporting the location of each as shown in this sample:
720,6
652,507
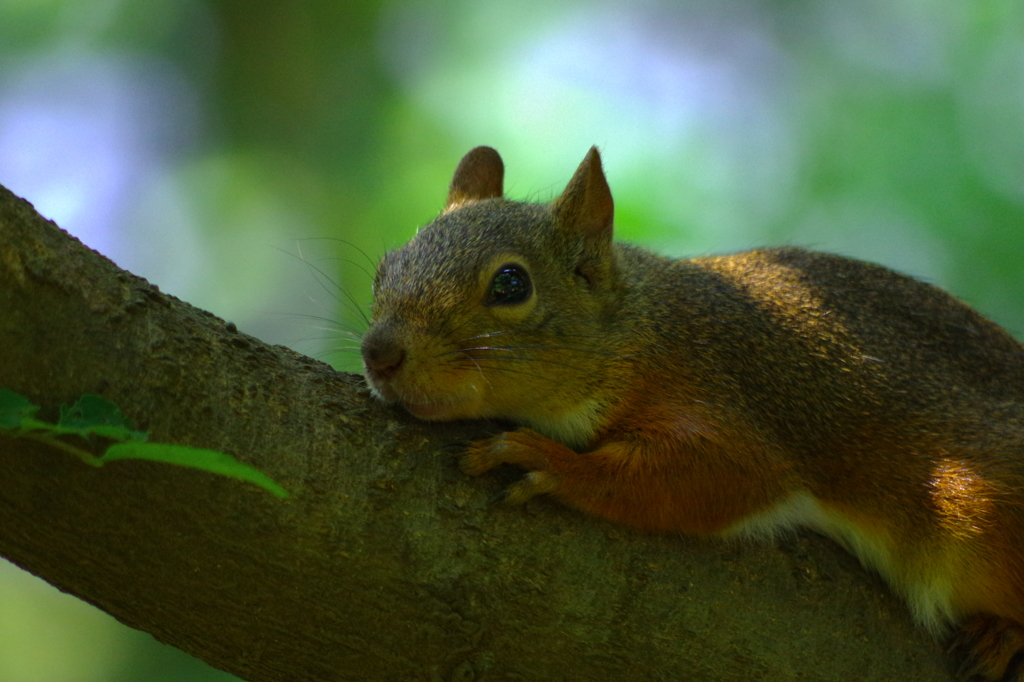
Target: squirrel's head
495,308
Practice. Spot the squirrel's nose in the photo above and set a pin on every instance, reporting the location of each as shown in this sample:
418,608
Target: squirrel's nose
383,354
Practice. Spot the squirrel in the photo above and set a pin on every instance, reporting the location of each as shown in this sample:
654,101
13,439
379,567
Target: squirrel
739,395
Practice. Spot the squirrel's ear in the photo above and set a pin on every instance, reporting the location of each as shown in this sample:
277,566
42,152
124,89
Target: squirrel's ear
478,176
585,206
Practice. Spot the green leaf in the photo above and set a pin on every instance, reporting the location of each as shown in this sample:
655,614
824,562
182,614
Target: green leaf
15,409
195,458
92,414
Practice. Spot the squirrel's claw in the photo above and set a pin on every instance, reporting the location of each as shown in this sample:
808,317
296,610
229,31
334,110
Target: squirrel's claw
456,448
533,483
498,497
530,485
525,448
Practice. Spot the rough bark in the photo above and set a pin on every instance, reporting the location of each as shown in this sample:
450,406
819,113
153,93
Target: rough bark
386,563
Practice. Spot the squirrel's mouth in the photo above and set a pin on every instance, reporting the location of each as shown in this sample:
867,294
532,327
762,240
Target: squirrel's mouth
431,406
432,410
444,408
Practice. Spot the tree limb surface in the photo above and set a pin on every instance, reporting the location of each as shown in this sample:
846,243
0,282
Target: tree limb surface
386,563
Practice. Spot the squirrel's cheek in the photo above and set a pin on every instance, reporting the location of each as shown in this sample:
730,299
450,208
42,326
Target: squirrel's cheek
427,391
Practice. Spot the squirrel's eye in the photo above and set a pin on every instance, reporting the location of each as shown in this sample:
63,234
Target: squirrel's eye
511,285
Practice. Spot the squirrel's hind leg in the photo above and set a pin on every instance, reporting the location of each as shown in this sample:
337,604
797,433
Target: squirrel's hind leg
992,649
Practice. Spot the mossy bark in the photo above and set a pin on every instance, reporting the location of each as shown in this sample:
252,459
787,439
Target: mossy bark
386,563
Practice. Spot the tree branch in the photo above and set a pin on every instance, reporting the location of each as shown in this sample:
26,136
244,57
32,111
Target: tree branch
386,563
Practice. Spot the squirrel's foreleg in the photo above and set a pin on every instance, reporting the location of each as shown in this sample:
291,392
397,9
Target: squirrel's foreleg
630,481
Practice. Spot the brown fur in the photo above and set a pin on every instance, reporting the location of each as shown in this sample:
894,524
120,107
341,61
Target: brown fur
737,394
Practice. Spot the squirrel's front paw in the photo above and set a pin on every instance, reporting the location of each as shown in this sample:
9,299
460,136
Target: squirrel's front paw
525,448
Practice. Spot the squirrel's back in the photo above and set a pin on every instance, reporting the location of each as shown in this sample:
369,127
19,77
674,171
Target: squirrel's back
872,344
899,431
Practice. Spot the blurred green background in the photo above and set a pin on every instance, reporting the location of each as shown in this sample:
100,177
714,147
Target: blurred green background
254,158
